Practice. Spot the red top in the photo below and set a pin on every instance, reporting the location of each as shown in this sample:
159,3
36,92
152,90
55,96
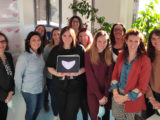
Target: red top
138,78
98,76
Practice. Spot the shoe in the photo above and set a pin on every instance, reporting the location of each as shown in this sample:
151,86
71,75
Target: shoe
56,118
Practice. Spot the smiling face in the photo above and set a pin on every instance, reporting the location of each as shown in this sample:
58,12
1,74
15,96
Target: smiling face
101,43
133,42
84,39
35,42
155,40
75,24
40,30
67,38
55,37
3,44
118,31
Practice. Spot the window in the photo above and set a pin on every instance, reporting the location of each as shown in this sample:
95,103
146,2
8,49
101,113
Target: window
52,12
56,13
40,12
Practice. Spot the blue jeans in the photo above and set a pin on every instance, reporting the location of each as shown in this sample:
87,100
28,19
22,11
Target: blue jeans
34,103
50,86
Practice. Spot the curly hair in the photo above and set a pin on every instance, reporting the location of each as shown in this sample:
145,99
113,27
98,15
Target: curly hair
141,47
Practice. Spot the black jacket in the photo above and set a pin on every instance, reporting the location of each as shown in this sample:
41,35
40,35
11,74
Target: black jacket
6,82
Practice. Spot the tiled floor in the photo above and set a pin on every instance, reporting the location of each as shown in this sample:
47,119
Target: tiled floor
17,110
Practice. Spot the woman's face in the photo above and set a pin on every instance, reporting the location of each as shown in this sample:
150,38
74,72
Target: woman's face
35,42
55,37
118,31
67,38
75,24
40,30
3,44
83,39
155,40
133,42
101,43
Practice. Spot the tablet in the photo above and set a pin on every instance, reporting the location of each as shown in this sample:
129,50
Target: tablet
68,63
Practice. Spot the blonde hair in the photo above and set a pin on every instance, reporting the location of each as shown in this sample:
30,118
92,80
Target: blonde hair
93,51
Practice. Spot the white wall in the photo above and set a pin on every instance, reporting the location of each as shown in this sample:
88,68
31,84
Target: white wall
116,11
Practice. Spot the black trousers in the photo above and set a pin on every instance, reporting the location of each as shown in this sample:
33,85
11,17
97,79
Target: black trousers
68,97
3,110
150,111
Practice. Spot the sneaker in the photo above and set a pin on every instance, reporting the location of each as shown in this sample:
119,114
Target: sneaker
56,118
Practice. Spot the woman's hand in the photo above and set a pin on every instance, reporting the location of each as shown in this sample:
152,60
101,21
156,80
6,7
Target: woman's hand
103,101
59,74
156,104
120,99
9,97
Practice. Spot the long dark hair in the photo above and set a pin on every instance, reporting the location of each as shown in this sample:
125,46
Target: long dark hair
150,48
6,39
112,34
72,32
27,42
79,19
141,47
44,37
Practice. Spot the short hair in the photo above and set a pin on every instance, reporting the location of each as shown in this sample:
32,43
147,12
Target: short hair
73,34
141,47
6,39
112,37
79,19
150,48
27,42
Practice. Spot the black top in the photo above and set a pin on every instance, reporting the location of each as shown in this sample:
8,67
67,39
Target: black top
6,79
115,50
52,58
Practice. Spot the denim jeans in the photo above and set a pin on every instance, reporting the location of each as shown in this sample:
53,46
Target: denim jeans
34,103
50,86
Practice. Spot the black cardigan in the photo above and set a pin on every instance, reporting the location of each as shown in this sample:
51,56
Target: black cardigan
6,82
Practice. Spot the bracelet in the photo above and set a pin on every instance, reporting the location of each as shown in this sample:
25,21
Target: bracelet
151,98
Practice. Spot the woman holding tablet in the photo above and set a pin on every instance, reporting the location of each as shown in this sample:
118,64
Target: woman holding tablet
67,86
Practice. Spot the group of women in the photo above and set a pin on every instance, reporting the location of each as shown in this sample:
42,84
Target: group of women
120,76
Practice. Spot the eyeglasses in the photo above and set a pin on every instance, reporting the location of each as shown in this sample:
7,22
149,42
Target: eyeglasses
3,41
116,29
75,21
